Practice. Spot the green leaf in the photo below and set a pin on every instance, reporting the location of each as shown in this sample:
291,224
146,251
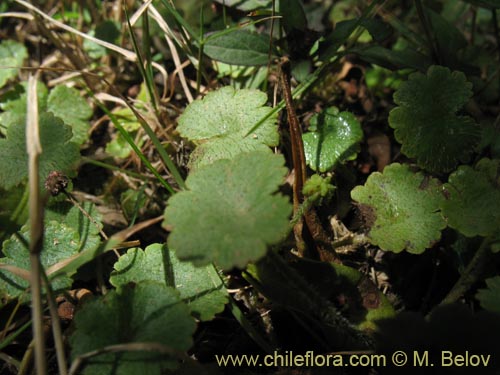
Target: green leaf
239,47
14,210
14,103
219,123
107,31
201,288
472,203
59,242
426,123
448,38
293,15
379,79
490,297
15,100
72,265
58,153
317,184
138,265
12,54
245,5
127,119
332,42
229,214
378,29
118,146
70,215
393,59
406,206
67,104
132,202
490,138
148,312
67,232
333,139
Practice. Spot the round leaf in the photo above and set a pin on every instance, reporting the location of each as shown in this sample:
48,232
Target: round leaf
229,214
148,312
71,216
14,103
426,123
59,242
472,203
406,206
58,153
201,288
334,138
219,124
12,54
490,297
67,104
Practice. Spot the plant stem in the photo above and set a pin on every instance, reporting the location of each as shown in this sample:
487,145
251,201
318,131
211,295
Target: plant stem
313,224
299,159
297,149
34,149
37,313
56,328
471,274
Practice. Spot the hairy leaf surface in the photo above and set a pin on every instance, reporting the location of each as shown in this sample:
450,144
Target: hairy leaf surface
67,104
60,242
148,312
200,288
406,206
426,122
58,152
473,199
218,124
230,212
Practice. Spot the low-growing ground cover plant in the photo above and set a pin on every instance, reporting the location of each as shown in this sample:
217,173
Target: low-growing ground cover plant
186,184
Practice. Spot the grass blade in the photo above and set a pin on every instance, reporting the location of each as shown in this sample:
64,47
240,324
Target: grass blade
144,65
132,144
